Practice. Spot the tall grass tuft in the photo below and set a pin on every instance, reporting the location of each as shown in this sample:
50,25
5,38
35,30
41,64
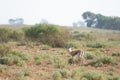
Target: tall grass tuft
100,61
57,75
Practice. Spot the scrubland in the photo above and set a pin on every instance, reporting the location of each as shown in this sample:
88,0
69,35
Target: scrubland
39,52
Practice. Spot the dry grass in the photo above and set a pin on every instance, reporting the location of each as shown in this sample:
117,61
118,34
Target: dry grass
47,63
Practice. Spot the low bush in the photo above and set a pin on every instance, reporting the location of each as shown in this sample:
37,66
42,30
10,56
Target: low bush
18,61
38,59
52,35
93,75
100,61
11,60
17,35
25,56
116,54
57,76
59,63
84,36
45,47
14,57
74,44
4,49
5,34
90,55
77,72
60,52
70,60
96,45
65,73
23,74
4,60
107,60
3,67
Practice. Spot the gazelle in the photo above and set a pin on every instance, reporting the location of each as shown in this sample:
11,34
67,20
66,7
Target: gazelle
76,54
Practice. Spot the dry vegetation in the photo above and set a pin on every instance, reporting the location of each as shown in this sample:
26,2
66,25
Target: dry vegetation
26,57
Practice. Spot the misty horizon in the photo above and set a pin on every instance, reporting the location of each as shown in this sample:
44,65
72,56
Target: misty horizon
61,12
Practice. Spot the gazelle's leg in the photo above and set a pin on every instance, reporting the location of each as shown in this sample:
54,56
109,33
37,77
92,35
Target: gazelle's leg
82,57
74,59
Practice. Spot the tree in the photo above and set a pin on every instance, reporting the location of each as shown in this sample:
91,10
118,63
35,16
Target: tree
89,18
100,21
16,21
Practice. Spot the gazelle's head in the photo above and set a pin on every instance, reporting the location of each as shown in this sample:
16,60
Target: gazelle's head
70,50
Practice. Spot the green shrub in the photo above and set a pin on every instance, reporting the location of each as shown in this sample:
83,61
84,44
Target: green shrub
74,44
45,47
84,36
25,78
96,45
10,60
104,60
5,34
26,72
59,63
107,60
23,74
25,56
116,77
17,35
4,49
90,55
14,57
18,61
13,52
52,35
70,60
65,73
39,58
77,72
116,54
57,75
3,67
4,60
97,52
94,75
60,52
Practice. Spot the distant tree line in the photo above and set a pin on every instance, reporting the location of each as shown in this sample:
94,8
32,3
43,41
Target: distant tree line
16,21
100,21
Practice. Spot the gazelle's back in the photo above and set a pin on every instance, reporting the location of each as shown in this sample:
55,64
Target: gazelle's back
73,53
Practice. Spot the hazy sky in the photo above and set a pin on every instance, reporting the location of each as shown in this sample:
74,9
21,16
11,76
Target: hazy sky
62,12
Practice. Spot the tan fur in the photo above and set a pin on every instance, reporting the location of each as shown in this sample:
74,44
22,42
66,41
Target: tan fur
75,54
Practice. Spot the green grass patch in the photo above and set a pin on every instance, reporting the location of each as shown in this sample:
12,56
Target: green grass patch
116,54
93,75
96,45
100,61
57,75
90,55
74,44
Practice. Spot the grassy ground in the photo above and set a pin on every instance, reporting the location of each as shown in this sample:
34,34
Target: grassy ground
42,62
